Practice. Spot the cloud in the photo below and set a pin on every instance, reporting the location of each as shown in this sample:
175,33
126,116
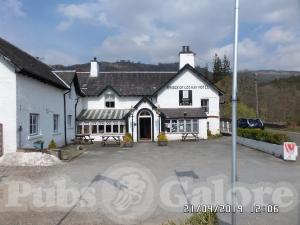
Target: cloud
52,57
153,31
12,7
278,35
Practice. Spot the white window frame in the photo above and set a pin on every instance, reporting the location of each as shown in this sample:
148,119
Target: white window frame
194,124
110,123
55,123
205,107
109,98
33,127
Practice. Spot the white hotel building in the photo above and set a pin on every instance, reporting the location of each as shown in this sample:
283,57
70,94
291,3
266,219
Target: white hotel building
38,103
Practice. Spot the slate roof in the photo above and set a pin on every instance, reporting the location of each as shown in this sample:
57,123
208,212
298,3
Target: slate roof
132,83
66,76
28,65
102,114
124,83
175,113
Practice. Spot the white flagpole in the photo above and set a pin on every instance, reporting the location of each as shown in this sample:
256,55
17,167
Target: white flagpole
234,118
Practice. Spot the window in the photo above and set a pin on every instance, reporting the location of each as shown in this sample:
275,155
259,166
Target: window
195,126
108,128
34,124
174,126
69,121
94,129
122,129
86,129
109,101
79,129
55,123
181,126
101,129
115,129
185,97
188,126
205,105
167,126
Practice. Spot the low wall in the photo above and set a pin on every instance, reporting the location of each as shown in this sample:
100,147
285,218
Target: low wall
266,147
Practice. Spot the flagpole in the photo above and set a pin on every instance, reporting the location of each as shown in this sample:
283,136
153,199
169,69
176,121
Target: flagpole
234,118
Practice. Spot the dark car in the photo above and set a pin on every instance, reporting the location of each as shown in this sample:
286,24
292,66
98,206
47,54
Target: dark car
250,123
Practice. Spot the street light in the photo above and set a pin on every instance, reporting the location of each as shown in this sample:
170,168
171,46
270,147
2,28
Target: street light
234,103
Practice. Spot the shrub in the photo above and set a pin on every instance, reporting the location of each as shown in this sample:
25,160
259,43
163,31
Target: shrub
209,133
127,138
162,137
198,219
262,135
52,144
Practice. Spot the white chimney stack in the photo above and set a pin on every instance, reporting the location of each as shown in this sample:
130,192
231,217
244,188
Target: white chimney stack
186,56
94,68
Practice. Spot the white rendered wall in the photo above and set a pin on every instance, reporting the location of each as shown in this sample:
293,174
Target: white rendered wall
99,102
168,97
8,111
70,110
34,96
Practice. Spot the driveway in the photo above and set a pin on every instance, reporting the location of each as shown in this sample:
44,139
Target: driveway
145,184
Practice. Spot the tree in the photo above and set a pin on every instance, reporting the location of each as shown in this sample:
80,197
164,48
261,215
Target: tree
221,68
217,68
226,69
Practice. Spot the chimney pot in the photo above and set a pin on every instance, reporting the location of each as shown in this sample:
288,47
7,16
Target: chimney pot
186,56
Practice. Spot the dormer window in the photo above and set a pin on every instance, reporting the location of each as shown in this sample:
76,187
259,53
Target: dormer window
110,101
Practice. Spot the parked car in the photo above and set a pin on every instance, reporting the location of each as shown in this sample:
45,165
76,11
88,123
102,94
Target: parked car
250,123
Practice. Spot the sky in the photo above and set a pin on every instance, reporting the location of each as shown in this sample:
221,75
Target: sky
152,31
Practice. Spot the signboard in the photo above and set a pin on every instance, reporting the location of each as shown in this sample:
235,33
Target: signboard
1,139
290,151
187,87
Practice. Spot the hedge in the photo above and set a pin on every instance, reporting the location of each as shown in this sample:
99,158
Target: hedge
262,135
208,218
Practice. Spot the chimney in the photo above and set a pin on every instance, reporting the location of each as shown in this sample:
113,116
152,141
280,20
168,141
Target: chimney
186,56
94,68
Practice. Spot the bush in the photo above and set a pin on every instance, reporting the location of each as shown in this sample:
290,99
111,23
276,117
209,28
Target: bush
262,135
127,138
52,144
198,219
209,133
162,137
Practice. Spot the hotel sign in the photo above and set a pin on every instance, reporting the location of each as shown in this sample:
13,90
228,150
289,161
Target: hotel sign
187,87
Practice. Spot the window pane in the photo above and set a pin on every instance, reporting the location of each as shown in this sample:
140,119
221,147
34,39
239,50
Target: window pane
108,128
195,125
174,126
101,129
181,125
86,129
122,129
115,129
167,126
79,129
188,126
94,129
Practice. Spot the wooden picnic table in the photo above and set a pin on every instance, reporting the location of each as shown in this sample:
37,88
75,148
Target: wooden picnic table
194,135
115,137
84,138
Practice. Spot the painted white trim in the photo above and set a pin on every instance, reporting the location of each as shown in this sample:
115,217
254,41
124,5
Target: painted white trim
61,79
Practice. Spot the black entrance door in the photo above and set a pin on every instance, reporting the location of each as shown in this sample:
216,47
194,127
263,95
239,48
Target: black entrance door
145,128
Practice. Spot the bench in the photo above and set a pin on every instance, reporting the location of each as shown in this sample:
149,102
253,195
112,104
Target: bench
115,138
193,135
83,138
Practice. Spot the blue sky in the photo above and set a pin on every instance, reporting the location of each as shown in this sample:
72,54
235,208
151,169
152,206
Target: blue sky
74,31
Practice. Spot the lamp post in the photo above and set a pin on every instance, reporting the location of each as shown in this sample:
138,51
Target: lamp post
234,103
